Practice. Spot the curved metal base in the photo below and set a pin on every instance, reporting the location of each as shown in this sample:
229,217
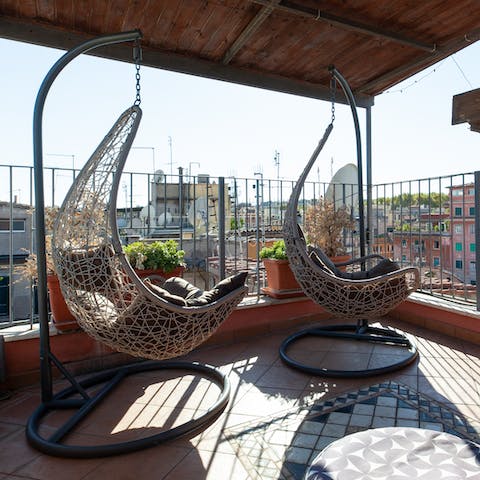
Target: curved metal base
53,445
363,333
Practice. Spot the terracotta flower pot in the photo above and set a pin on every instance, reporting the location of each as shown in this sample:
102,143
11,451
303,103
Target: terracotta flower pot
61,315
281,282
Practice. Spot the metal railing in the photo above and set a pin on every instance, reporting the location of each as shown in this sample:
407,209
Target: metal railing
222,224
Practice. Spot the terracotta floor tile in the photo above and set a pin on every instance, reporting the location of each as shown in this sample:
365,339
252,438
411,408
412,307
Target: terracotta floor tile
15,452
204,465
265,401
283,377
152,463
46,467
381,360
19,407
345,361
9,428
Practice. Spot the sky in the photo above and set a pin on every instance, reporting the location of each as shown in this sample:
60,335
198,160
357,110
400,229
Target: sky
223,129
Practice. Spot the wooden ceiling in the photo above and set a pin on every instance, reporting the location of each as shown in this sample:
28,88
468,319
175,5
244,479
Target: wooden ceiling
275,44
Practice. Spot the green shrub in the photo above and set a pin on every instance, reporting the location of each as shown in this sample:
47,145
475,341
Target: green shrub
155,255
276,251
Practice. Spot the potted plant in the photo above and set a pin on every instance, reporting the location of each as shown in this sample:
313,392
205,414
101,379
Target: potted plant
159,258
324,226
61,315
281,282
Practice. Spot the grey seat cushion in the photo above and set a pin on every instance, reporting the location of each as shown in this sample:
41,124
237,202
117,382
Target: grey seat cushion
180,291
383,267
165,294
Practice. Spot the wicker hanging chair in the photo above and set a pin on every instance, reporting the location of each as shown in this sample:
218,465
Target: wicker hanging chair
113,305
349,299
108,299
110,302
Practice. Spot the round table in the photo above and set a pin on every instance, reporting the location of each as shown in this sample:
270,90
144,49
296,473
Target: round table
397,453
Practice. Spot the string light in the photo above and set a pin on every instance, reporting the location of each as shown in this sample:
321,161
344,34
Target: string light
431,72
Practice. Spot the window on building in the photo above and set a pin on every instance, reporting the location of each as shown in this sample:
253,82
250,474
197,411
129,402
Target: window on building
472,247
458,264
458,228
458,211
436,261
404,258
17,225
471,228
470,191
404,243
457,193
458,246
471,211
436,244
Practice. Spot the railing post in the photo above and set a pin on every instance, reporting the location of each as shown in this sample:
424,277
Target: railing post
221,226
180,204
10,253
477,237
369,226
257,233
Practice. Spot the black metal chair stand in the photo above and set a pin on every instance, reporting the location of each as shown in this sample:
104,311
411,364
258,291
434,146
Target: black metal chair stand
54,444
361,332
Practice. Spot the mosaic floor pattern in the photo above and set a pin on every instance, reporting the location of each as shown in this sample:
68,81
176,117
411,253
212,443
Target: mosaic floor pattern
284,444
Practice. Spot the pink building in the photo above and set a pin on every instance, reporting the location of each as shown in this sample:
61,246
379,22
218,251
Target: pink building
462,217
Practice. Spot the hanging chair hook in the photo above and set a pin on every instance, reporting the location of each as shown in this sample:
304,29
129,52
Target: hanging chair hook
137,58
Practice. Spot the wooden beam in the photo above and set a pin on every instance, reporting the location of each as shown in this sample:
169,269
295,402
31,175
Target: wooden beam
403,72
348,24
249,30
46,35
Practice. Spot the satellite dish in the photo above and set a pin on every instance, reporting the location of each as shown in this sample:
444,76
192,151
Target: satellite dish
343,188
158,176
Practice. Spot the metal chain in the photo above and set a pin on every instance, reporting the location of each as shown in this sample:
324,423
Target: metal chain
137,58
333,90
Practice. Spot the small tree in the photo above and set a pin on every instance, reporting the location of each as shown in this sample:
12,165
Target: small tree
324,226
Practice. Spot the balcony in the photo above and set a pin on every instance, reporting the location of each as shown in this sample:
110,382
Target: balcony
277,418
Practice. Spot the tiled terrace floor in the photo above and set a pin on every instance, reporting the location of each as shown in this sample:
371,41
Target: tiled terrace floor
277,419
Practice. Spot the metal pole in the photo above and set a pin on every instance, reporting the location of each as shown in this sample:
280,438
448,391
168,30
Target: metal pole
180,203
10,252
369,179
351,100
477,237
221,226
257,233
45,367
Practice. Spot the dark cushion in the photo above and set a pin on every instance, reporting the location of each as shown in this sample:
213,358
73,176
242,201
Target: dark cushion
222,288
231,283
180,287
165,294
180,292
383,267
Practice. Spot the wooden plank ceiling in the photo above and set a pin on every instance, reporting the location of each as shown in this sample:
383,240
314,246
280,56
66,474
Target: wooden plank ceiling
276,44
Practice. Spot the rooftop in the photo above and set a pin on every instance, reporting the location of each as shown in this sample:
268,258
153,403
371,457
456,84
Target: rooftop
277,418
